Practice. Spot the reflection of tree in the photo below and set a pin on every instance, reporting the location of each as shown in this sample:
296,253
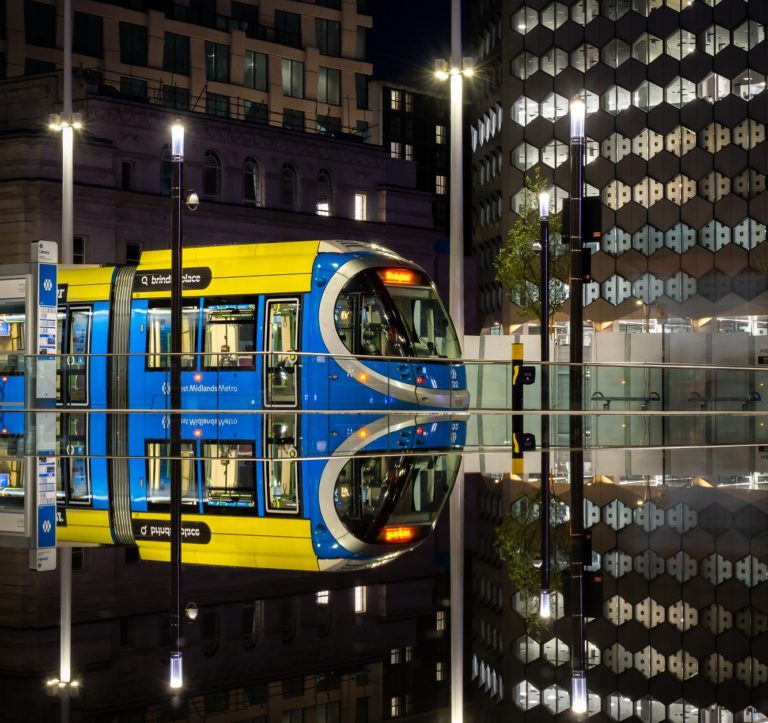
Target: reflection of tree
518,265
518,543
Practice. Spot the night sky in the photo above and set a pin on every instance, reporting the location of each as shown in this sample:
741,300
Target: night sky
407,37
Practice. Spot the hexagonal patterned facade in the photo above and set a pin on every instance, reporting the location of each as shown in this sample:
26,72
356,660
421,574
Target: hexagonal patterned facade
675,138
684,630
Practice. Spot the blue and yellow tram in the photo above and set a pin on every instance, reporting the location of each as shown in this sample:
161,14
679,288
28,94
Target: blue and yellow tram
274,336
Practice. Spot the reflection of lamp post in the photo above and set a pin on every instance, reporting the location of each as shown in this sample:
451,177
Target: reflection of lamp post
576,418
544,597
177,171
66,123
456,72
647,313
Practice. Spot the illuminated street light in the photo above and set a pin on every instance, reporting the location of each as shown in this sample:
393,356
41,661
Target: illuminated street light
177,243
576,405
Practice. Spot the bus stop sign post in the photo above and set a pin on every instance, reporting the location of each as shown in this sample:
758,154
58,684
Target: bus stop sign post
41,395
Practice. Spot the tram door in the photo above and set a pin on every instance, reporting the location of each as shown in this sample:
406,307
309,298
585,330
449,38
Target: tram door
281,368
281,389
72,382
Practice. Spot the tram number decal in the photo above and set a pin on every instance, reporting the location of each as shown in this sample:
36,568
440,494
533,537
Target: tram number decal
454,378
197,533
454,432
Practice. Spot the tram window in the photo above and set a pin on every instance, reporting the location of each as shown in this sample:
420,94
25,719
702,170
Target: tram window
229,335
159,337
73,343
282,479
363,324
281,343
159,472
74,481
372,492
230,473
11,471
431,332
12,338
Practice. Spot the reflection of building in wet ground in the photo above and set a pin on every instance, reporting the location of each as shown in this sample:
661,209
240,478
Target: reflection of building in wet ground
685,607
265,646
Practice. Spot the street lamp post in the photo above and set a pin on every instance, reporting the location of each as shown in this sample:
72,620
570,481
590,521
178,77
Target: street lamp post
544,597
455,71
576,419
177,176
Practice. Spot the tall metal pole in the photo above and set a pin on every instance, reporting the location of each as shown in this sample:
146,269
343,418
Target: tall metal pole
456,304
177,180
576,436
67,212
544,596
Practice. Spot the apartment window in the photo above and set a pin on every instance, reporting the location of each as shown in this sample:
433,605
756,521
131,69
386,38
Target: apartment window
408,102
361,91
174,97
32,66
361,42
328,712
394,707
360,599
293,120
216,62
40,24
248,15
133,44
361,212
293,78
132,257
253,190
324,193
396,99
211,175
408,703
255,70
133,87
361,130
217,104
334,4
293,716
440,620
395,149
394,656
328,125
441,185
329,86
322,597
288,28
408,152
441,134
328,33
439,671
288,187
256,112
176,53
409,653
78,249
87,35
127,171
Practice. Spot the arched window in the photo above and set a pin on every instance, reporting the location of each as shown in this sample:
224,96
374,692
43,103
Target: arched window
289,188
324,193
165,171
211,175
253,188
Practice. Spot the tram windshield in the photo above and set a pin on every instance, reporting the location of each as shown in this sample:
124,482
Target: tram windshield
394,312
373,494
